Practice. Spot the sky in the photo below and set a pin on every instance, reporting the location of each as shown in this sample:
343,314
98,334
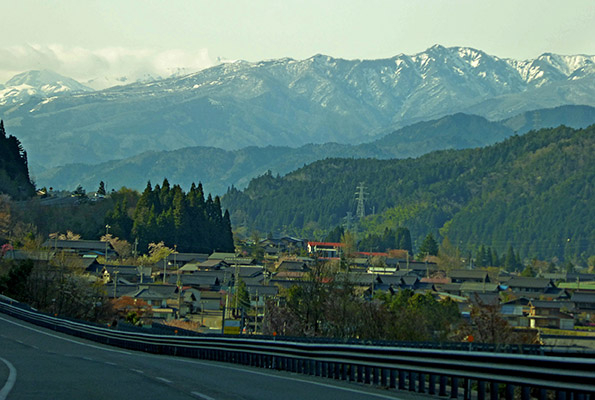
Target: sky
97,39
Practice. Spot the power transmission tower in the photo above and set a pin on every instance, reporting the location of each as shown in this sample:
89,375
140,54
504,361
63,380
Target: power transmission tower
360,197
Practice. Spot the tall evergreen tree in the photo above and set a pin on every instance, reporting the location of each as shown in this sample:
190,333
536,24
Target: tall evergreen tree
429,247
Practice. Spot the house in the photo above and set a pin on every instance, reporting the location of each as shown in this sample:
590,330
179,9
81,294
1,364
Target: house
199,281
419,268
274,246
178,260
535,288
207,265
584,302
157,296
292,265
516,311
550,314
291,270
82,247
468,275
470,288
126,273
325,250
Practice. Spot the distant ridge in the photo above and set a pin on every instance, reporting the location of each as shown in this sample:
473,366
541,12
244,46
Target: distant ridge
219,169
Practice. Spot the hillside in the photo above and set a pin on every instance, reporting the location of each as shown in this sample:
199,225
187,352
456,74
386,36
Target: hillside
288,102
219,169
14,173
534,192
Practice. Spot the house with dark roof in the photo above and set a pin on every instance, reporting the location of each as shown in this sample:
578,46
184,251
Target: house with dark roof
82,247
584,302
126,273
550,314
199,281
207,265
468,275
177,260
516,311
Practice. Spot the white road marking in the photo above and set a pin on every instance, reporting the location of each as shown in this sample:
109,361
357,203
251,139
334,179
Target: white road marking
110,363
163,379
65,339
378,395
12,378
202,396
138,371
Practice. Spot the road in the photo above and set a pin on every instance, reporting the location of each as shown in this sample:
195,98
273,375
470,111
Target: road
43,364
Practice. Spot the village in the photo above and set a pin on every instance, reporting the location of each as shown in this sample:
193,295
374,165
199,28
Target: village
229,292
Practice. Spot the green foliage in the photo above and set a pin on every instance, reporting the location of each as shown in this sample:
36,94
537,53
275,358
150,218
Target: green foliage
327,304
242,296
335,235
419,317
185,220
532,191
14,284
429,247
398,239
14,169
101,189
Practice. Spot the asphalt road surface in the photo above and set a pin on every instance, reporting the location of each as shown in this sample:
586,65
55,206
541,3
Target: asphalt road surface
36,363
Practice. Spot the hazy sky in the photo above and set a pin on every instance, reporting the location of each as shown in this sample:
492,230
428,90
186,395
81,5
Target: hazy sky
88,38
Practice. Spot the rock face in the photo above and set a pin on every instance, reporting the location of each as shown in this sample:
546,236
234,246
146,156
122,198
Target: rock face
285,102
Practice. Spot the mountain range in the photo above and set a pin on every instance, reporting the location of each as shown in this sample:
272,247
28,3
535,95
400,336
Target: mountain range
220,169
282,102
533,192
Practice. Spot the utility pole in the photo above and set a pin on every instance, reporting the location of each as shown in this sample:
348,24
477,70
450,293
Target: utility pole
106,241
164,268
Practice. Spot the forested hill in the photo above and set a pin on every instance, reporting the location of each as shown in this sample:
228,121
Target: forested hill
534,192
14,171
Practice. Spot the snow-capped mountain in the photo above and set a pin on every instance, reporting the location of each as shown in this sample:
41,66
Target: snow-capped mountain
289,102
42,84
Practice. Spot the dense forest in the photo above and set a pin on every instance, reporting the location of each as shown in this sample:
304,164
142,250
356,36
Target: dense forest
533,192
14,171
168,214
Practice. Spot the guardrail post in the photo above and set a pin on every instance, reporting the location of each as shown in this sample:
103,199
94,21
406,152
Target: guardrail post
412,376
442,388
367,375
454,387
422,383
393,379
383,376
376,377
337,370
494,391
509,392
481,390
432,384
466,389
318,368
344,371
360,373
525,393
542,394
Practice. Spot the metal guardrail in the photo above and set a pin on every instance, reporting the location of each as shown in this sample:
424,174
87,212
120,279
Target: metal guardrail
438,372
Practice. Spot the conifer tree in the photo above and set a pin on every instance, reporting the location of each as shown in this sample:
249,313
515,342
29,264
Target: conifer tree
429,247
